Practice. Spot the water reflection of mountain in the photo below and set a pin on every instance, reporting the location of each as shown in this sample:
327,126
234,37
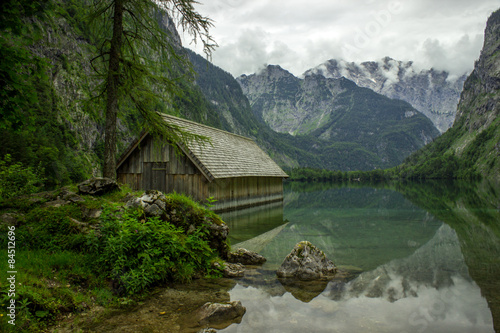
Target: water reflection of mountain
434,265
362,227
473,211
420,275
428,291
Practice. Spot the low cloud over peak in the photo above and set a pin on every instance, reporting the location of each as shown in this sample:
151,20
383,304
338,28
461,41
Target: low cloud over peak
445,35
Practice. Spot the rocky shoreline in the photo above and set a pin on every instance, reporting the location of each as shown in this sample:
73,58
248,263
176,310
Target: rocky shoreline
174,308
205,305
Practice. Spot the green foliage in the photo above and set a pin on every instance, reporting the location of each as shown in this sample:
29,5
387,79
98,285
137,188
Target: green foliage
13,13
20,69
61,256
17,179
139,252
478,147
53,149
134,251
52,229
438,161
20,74
50,285
210,202
36,128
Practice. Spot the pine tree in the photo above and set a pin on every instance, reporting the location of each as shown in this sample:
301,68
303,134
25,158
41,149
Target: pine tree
140,63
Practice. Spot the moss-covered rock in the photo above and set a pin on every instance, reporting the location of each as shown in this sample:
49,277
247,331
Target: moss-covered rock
184,213
98,186
306,262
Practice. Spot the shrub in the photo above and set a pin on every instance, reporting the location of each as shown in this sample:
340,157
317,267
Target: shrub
17,179
138,252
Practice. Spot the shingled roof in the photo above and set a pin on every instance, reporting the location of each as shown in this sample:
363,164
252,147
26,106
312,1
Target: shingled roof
226,154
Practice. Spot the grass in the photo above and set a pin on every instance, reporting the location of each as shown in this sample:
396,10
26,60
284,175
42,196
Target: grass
49,284
111,261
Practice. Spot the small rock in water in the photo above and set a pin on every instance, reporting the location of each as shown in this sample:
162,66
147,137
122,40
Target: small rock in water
233,270
230,270
220,313
306,262
245,257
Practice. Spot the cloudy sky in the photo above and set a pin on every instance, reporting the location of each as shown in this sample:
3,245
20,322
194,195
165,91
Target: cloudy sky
301,34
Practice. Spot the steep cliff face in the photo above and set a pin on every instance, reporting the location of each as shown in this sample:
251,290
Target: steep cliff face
225,97
472,145
479,107
479,102
344,119
434,93
287,103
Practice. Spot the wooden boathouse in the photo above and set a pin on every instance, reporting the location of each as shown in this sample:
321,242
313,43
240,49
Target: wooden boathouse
230,168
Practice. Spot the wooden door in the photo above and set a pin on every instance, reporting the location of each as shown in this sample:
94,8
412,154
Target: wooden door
154,176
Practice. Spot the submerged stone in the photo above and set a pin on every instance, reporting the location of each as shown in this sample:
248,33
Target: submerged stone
305,291
231,270
306,262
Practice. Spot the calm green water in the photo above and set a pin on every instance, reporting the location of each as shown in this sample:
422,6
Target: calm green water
425,258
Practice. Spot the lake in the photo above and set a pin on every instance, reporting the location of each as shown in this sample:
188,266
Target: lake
412,257
424,258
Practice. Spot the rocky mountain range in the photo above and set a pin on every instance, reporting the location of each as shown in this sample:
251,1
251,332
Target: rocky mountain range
346,121
434,93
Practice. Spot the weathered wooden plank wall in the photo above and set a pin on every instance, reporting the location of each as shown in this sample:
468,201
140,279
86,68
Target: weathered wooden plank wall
232,188
159,167
237,192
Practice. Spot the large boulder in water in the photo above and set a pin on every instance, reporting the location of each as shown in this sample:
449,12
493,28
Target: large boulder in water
306,262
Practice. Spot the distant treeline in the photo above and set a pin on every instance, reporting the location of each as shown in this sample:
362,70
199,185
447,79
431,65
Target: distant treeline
446,167
322,175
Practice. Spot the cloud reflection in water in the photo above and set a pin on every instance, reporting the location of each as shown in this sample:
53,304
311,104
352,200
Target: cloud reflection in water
429,291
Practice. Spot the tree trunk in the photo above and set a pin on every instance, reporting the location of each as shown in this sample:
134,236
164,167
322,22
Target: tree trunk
112,87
